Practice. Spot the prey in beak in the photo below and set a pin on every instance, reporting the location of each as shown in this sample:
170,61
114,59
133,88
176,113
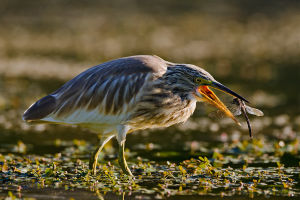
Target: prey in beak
203,93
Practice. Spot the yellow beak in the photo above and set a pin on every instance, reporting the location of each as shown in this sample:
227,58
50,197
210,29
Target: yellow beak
203,93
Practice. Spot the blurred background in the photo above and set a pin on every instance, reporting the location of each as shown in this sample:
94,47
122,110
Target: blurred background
252,47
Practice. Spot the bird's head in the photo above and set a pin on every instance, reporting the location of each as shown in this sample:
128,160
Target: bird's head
199,83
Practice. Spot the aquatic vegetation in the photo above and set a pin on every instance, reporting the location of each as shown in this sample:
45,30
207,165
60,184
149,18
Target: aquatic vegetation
204,157
46,159
235,174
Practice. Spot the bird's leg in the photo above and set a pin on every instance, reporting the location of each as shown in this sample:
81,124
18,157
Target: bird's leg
94,157
121,137
122,160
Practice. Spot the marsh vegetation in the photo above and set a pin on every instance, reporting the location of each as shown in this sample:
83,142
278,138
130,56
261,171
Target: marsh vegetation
253,47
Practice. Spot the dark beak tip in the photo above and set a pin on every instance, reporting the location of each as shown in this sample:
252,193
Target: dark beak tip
224,88
243,99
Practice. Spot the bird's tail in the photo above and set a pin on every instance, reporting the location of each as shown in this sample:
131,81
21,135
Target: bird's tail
40,109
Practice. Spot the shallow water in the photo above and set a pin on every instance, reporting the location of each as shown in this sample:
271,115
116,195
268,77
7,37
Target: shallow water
253,48
44,161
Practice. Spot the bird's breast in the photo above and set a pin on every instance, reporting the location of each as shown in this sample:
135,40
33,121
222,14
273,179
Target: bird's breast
161,109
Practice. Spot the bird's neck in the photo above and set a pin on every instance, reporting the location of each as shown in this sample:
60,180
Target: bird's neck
178,84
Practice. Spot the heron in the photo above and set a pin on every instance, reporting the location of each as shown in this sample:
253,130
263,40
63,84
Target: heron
128,94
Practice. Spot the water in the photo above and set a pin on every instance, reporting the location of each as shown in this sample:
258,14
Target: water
205,158
51,160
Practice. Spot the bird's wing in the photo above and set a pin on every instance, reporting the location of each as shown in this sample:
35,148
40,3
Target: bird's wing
106,88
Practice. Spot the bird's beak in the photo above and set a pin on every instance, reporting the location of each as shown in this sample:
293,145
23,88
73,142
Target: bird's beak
203,93
225,89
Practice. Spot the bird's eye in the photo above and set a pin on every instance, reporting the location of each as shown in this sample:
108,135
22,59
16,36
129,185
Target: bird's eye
198,80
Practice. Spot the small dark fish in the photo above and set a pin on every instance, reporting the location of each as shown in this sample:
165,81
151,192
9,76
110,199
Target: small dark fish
244,109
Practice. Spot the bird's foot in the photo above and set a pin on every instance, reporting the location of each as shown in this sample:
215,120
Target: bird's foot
125,168
122,160
94,160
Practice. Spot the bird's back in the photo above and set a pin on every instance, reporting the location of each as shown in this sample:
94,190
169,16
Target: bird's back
103,95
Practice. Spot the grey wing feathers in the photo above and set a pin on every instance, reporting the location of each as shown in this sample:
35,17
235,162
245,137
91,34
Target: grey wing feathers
40,109
111,84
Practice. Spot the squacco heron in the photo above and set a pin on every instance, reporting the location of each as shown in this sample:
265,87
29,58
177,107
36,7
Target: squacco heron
126,95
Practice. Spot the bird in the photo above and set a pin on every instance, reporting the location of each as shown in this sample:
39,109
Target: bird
128,94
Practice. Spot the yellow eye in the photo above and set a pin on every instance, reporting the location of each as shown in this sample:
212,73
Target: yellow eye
198,80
